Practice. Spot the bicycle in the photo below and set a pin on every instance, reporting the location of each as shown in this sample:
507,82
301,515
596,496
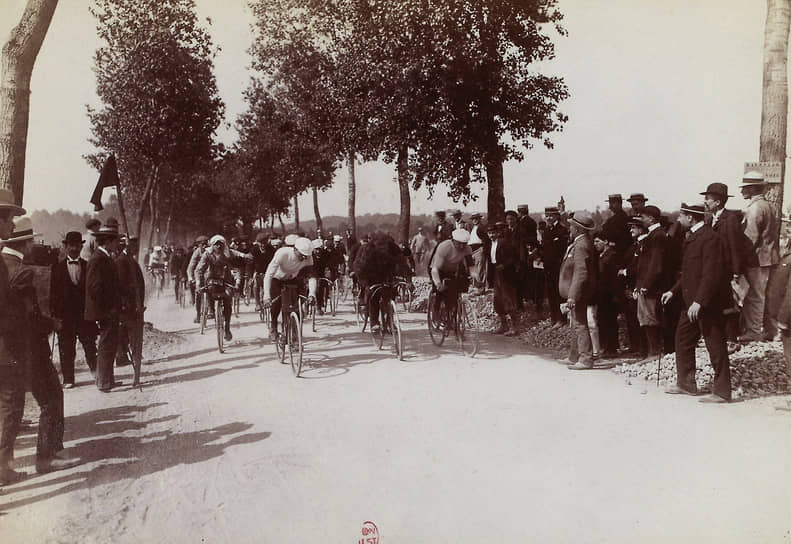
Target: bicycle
181,292
290,334
158,280
389,321
219,306
403,293
460,319
329,295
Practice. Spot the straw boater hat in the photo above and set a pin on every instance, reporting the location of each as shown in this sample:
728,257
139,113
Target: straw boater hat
476,215
753,178
109,229
7,202
23,230
551,210
583,219
636,196
717,189
617,197
694,209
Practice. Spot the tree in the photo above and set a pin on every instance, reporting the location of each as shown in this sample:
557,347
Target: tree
774,110
18,57
160,102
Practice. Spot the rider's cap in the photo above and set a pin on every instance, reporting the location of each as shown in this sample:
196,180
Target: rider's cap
290,239
201,239
337,238
260,237
276,241
317,243
217,238
461,235
304,246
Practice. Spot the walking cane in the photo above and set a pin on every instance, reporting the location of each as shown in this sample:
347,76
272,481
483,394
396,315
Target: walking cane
658,368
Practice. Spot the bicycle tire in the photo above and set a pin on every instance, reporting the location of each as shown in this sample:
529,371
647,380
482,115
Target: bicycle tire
437,333
396,332
313,309
279,340
333,298
379,337
219,324
295,347
467,329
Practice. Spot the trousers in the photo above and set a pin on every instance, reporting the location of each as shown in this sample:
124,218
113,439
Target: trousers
710,325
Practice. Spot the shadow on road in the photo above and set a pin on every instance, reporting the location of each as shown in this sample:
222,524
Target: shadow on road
129,458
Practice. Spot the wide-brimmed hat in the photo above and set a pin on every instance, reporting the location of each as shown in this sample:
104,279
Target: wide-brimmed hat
636,196
697,209
73,237
616,196
23,230
109,229
717,189
583,219
8,202
753,178
439,212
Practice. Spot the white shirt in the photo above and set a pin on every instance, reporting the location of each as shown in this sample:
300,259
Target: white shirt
493,253
652,228
716,216
13,252
697,226
285,265
474,238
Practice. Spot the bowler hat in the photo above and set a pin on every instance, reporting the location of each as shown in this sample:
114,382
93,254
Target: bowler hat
23,230
651,211
73,237
717,189
93,224
696,209
456,212
511,212
7,202
636,196
583,219
551,210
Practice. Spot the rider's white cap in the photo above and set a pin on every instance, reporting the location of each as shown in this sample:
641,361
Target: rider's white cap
304,246
317,243
290,239
276,241
337,238
461,235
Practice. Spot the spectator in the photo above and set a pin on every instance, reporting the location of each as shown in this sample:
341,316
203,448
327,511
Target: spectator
502,271
615,226
553,246
458,222
628,274
528,235
442,229
779,303
90,239
703,286
577,286
67,305
133,293
651,280
419,246
761,229
479,245
637,202
607,293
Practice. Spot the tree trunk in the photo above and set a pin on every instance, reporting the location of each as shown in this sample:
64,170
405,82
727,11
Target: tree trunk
774,110
352,192
272,223
296,213
282,225
144,202
154,213
495,198
316,209
402,167
124,224
166,237
18,57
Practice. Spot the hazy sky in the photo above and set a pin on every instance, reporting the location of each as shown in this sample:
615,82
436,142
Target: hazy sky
665,98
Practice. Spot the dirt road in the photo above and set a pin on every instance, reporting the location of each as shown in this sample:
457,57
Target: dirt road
505,447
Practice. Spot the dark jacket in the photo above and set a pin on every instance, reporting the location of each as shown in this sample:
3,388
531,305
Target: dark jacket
579,272
378,260
66,300
102,289
132,285
616,230
507,260
651,275
739,254
704,278
609,288
553,246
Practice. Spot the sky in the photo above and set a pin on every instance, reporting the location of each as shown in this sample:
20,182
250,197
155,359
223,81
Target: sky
665,98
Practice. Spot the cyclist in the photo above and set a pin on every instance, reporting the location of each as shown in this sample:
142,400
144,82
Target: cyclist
286,266
214,273
406,268
449,268
200,247
376,262
156,265
321,261
262,253
177,267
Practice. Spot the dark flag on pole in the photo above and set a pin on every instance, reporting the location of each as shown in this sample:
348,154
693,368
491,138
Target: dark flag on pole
108,178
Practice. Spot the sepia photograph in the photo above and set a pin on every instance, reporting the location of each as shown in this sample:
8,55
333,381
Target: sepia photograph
394,271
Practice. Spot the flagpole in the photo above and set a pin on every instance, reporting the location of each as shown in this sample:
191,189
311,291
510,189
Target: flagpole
121,206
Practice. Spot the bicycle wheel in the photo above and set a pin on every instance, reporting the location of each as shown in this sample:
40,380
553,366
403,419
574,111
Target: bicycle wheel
219,324
235,301
436,328
467,328
295,343
395,331
333,298
405,296
204,311
378,336
280,340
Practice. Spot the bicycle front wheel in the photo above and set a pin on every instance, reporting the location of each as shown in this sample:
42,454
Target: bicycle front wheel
435,327
219,324
295,348
333,299
467,328
378,336
395,330
204,311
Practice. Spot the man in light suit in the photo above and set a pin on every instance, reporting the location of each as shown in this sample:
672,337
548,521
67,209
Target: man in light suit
103,302
703,285
577,286
67,304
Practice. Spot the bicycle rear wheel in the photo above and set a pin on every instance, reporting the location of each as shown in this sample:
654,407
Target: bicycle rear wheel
219,324
295,348
333,298
204,311
395,331
379,336
467,328
404,296
436,329
280,340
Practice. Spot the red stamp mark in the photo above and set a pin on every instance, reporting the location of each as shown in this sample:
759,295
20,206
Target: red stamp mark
370,533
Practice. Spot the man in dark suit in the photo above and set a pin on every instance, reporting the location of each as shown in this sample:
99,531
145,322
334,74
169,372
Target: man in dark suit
103,302
553,248
529,236
12,371
67,304
579,273
609,291
738,250
703,285
615,226
502,271
441,228
133,292
651,280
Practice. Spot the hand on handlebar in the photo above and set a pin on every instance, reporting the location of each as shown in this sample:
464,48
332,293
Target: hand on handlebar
266,302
